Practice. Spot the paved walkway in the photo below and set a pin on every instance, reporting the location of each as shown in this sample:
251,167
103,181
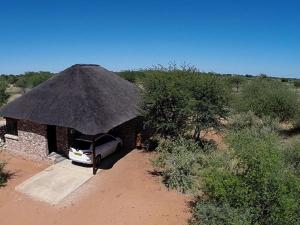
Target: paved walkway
56,182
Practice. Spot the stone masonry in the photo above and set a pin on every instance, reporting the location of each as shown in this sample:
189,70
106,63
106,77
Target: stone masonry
31,140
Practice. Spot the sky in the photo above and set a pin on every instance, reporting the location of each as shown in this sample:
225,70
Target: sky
240,37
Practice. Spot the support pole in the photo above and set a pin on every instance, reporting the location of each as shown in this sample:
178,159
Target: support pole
94,158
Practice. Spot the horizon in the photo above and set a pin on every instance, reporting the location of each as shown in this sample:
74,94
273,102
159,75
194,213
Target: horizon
224,37
143,69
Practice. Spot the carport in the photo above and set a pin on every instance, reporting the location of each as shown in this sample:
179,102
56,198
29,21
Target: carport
83,99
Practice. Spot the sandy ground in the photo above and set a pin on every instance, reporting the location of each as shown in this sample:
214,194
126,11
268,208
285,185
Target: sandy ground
125,193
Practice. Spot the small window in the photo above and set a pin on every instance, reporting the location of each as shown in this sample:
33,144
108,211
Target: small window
12,126
105,139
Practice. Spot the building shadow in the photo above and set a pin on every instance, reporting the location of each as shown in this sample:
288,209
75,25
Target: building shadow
109,161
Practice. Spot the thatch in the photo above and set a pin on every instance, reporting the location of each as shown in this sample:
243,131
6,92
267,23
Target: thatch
87,98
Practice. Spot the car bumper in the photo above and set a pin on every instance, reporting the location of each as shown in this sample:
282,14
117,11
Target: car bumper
81,159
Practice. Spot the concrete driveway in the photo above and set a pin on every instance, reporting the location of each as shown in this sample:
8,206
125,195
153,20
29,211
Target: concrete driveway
56,182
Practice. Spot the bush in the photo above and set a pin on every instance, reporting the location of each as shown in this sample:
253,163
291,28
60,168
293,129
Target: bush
132,76
249,120
3,174
256,181
32,79
292,157
3,95
269,98
297,83
181,161
214,213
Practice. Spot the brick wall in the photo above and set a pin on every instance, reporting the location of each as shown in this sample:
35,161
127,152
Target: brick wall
31,140
62,135
127,132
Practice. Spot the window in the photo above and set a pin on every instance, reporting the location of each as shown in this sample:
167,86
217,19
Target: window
82,145
12,126
103,140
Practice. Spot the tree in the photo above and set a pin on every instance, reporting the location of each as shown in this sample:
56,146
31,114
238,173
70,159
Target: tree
297,83
32,79
236,81
165,104
209,98
176,102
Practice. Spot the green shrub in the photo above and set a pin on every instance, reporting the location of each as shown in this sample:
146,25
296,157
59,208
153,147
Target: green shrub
297,83
256,180
181,161
132,76
249,120
213,213
292,157
32,79
269,98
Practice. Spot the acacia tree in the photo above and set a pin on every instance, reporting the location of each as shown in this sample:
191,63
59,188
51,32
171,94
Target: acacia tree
209,98
178,102
236,81
165,104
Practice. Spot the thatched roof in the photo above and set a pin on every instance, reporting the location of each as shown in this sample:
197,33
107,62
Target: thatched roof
87,98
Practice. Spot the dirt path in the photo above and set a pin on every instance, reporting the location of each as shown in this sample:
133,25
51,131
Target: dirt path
124,194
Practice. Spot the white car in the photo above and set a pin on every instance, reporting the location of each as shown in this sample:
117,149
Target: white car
81,150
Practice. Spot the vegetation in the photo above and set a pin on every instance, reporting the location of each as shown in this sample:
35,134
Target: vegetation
178,101
255,187
132,76
269,98
24,81
180,162
32,79
297,83
3,95
255,180
165,106
3,174
236,82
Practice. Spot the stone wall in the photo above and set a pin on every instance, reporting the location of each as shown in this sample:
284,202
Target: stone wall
31,140
62,136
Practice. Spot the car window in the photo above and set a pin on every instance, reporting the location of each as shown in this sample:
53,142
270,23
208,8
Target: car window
79,144
104,139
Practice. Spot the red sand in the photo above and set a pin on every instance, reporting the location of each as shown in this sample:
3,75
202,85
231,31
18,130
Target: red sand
125,194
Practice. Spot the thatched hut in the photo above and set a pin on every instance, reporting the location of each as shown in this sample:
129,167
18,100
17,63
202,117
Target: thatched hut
83,99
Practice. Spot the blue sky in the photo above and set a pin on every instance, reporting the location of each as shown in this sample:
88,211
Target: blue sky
222,36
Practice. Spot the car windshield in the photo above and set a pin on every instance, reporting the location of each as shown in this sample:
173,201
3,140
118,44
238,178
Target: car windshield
79,144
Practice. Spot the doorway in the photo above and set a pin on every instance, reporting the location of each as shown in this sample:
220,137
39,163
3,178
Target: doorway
51,136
